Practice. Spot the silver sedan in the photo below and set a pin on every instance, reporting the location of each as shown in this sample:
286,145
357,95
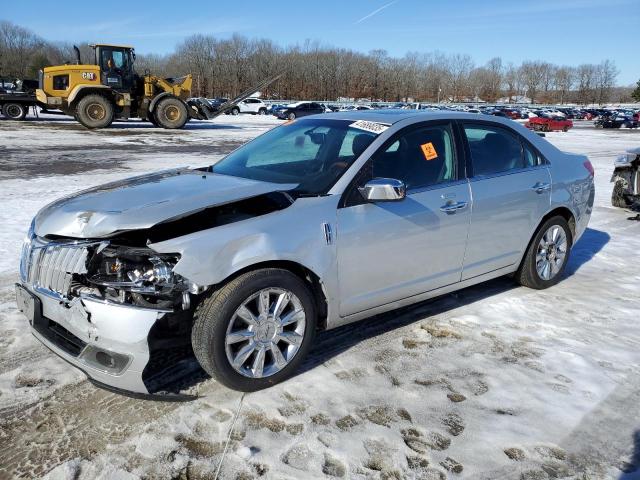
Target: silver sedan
320,222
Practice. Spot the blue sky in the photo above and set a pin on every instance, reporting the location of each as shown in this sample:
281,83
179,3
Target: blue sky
558,31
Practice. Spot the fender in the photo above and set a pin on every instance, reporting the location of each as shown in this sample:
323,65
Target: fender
80,88
153,103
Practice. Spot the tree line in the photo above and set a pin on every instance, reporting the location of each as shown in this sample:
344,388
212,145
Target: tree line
225,67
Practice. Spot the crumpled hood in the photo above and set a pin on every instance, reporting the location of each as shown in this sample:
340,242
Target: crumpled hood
141,202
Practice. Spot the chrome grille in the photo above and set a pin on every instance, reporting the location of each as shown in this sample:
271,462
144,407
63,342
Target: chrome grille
51,265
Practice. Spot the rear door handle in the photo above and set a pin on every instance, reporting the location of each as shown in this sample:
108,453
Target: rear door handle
541,187
453,207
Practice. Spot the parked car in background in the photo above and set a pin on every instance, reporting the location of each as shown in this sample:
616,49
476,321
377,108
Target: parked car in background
548,123
250,105
300,109
615,120
315,224
275,108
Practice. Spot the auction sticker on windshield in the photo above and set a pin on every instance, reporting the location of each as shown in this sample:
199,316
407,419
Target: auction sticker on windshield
372,127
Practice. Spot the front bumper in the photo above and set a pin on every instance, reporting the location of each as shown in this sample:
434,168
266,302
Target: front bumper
107,341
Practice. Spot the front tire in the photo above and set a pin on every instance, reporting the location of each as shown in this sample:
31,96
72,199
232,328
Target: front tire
235,111
547,255
291,116
171,113
94,111
14,111
255,331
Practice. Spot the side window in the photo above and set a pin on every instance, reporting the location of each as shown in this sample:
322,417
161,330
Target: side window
531,157
493,149
118,58
60,82
420,157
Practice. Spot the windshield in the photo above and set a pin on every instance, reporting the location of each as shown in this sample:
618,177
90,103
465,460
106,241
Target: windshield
313,153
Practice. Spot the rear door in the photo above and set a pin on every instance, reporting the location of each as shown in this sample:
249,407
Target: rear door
511,190
388,251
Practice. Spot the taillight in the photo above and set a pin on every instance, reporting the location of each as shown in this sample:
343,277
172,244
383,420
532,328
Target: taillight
589,167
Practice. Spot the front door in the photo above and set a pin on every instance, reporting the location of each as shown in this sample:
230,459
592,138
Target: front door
511,188
388,251
116,65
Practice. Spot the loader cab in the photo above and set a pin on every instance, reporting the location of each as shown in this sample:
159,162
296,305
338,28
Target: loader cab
116,66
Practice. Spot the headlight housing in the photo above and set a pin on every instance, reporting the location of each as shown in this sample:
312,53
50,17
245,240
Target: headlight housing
138,270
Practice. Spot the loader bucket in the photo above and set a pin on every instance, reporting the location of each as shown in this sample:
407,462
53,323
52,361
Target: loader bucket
202,109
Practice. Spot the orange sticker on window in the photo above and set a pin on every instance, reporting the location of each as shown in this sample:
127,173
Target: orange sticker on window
429,151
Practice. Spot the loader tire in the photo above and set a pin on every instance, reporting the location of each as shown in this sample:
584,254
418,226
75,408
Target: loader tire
94,111
152,119
14,111
171,113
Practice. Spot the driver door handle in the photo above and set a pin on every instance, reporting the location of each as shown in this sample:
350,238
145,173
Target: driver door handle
453,207
541,187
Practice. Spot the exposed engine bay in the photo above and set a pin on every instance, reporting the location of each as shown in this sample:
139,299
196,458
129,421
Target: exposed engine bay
626,179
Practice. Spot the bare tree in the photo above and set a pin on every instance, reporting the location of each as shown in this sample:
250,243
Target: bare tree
224,67
533,75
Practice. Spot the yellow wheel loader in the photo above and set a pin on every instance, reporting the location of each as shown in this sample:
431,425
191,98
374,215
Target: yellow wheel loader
97,93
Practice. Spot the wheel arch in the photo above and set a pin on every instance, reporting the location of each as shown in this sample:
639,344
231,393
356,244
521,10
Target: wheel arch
312,279
157,98
83,90
562,211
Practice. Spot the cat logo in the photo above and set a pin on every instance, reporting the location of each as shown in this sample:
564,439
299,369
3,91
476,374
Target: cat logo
88,75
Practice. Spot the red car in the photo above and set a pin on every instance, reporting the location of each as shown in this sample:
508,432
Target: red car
548,124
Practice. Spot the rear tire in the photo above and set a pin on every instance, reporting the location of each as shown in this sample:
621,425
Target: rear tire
262,111
532,272
94,111
217,337
14,111
171,113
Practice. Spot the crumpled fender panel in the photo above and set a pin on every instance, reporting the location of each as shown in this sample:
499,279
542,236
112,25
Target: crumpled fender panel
294,234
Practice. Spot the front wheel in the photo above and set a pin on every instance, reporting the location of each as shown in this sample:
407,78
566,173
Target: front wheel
547,255
256,330
14,111
235,111
291,116
171,113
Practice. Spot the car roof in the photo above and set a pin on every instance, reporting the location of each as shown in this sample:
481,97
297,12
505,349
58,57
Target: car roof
391,116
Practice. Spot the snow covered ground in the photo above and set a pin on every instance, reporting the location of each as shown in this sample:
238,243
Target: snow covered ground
493,382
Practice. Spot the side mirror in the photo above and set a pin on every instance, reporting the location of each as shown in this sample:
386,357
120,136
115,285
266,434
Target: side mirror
383,190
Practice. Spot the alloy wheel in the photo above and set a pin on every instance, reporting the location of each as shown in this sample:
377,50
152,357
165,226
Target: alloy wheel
551,253
265,333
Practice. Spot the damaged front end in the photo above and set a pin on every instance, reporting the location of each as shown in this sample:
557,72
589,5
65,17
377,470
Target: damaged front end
98,294
626,180
117,312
